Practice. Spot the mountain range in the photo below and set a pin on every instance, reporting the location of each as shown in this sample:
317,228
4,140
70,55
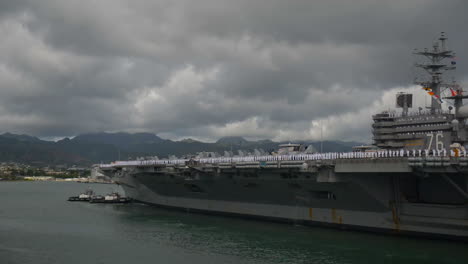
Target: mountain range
87,149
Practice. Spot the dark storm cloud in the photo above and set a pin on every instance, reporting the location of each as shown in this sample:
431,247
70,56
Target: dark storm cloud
264,68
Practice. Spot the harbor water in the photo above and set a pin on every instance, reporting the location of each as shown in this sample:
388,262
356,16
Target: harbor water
38,225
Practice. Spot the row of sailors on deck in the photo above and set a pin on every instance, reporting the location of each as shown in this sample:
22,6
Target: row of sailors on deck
423,125
315,156
417,133
428,114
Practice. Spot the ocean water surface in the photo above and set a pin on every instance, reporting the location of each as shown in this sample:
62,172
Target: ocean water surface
38,225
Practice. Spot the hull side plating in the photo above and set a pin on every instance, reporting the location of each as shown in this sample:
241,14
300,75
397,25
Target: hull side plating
362,201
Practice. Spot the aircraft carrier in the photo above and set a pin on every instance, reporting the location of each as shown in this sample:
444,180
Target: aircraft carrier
413,180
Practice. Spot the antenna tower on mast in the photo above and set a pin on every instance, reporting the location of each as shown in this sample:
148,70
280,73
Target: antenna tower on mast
435,67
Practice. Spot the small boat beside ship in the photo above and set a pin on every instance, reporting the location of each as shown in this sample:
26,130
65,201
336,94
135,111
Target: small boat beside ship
113,197
83,197
90,196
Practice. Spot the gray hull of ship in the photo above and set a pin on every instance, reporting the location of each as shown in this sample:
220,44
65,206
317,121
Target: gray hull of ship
359,195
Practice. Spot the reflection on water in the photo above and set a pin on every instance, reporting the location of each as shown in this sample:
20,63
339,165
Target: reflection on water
279,243
37,225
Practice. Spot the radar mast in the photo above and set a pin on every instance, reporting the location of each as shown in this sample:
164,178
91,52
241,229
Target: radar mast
435,67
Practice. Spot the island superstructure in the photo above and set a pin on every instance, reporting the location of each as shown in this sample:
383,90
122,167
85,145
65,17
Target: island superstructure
413,181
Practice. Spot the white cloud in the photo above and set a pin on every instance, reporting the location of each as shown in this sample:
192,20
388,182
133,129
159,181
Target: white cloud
349,126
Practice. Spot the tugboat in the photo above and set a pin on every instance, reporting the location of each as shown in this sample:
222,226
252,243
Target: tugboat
83,197
113,197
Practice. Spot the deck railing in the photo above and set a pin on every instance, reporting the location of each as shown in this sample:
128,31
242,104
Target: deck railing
295,157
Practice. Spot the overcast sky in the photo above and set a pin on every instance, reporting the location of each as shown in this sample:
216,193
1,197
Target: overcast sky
210,68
